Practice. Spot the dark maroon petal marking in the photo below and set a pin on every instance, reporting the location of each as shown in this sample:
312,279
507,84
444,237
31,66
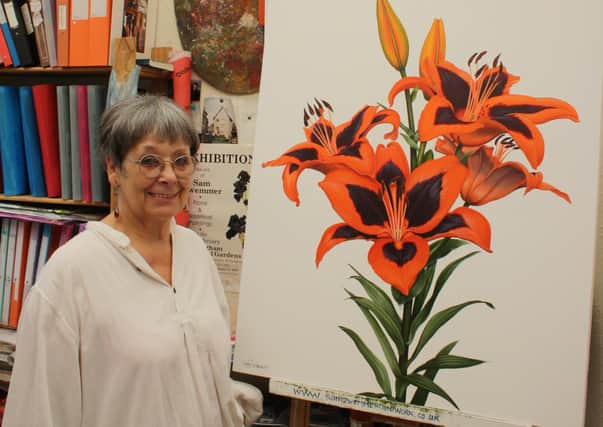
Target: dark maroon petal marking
350,151
504,110
423,200
303,154
293,167
450,222
455,89
445,116
390,172
514,124
402,256
347,232
368,205
349,134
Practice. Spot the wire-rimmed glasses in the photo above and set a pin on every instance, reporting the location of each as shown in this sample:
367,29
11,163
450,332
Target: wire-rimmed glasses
151,165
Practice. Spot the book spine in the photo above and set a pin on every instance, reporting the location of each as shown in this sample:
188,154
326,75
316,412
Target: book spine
10,43
10,267
45,102
12,153
49,11
39,27
63,12
76,171
64,131
82,115
32,257
31,143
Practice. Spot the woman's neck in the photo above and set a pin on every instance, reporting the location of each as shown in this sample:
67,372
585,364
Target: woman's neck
138,230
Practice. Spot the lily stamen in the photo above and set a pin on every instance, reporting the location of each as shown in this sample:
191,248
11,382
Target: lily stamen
394,202
481,89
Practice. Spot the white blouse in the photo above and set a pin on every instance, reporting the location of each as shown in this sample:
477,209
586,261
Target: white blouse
103,340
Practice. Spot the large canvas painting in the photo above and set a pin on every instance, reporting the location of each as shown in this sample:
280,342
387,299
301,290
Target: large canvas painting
422,218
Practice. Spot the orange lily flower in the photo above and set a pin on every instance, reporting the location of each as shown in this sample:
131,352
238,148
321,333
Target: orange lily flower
491,178
392,35
328,146
400,211
478,107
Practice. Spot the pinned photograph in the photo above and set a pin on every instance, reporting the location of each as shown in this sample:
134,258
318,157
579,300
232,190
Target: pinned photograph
218,122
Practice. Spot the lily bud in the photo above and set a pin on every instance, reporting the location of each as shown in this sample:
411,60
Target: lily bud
434,46
392,35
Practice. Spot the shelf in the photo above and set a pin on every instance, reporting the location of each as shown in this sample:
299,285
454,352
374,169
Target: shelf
53,201
67,75
8,334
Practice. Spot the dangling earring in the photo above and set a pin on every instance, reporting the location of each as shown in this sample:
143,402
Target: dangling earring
115,207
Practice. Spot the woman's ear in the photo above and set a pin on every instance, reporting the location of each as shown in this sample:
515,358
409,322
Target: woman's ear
113,172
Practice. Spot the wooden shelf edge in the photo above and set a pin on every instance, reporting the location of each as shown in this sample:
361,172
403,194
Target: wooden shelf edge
52,201
145,72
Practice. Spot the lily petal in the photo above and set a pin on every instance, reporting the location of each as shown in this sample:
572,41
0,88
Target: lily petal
535,181
399,266
409,83
432,189
536,110
356,200
334,235
391,163
438,118
464,223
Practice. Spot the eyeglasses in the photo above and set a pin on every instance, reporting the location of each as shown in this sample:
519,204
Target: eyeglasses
151,165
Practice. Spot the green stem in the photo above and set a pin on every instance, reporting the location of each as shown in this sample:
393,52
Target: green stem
403,359
411,122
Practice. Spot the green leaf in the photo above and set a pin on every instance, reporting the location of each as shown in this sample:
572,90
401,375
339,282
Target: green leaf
438,320
440,282
428,156
410,141
448,361
421,382
375,364
385,345
376,294
392,325
420,282
443,247
427,276
420,396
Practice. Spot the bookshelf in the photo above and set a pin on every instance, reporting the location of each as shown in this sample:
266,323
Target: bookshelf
50,229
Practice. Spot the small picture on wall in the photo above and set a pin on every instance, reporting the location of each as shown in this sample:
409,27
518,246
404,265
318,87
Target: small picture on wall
218,121
138,19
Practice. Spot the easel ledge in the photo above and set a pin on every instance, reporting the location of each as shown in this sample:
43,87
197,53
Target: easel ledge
366,411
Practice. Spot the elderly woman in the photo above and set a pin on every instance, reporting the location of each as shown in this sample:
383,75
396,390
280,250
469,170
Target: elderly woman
127,324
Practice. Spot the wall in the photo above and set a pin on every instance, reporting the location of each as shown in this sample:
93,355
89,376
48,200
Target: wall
245,106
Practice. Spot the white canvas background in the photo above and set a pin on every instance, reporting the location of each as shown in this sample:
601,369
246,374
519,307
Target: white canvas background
540,274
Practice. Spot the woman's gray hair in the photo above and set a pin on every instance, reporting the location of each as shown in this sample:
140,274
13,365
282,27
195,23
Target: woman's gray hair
133,119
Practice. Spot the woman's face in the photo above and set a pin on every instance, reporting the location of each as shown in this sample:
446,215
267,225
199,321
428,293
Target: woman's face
151,199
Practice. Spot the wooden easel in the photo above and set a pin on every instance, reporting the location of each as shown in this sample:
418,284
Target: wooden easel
300,417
